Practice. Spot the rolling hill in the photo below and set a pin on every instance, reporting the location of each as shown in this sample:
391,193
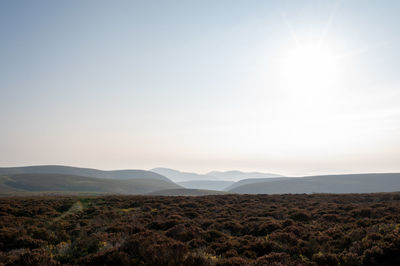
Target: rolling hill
238,175
87,172
186,192
72,183
353,183
253,180
178,176
206,184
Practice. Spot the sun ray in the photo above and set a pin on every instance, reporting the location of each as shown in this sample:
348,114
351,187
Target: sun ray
329,23
363,50
290,28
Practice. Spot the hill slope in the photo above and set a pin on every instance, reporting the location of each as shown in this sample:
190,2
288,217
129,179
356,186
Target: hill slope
77,171
72,183
254,180
178,176
206,184
186,192
238,175
355,183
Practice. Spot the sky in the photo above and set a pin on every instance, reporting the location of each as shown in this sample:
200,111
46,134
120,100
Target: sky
288,87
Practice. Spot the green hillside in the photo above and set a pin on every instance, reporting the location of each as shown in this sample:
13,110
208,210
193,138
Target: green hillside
78,171
71,183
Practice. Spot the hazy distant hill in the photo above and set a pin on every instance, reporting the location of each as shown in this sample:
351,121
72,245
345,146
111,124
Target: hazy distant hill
206,184
355,183
253,180
77,171
178,176
186,192
73,183
238,175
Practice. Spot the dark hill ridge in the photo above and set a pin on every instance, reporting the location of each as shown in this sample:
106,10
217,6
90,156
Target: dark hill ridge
87,172
351,183
71,183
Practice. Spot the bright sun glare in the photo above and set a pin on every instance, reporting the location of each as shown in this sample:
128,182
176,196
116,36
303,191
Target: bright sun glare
310,67
310,71
312,79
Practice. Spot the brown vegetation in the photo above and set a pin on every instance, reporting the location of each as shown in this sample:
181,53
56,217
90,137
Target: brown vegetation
314,229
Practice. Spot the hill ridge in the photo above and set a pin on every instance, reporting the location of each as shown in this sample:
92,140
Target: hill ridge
349,183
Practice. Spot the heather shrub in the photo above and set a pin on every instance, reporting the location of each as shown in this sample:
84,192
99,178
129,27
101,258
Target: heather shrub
318,229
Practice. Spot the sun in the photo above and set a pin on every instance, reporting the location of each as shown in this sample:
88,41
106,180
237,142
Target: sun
310,68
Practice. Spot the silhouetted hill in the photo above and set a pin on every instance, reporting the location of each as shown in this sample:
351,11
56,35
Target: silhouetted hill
72,183
354,183
206,184
186,192
77,171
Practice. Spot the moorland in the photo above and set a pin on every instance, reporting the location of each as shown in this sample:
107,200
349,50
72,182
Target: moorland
302,229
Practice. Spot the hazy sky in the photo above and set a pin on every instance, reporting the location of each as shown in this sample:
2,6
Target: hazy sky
291,87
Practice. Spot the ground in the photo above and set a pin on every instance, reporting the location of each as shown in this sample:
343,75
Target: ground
317,229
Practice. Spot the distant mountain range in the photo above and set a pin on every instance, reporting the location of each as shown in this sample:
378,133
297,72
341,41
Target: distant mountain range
66,179
214,180
178,176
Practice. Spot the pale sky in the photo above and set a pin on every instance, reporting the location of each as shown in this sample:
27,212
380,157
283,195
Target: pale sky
289,87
